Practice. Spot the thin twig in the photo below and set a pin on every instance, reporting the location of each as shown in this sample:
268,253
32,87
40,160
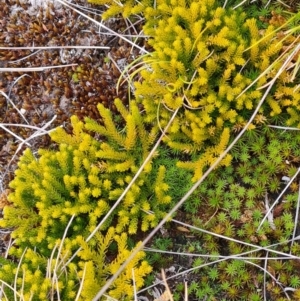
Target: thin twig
265,277
53,47
278,198
34,69
296,220
166,285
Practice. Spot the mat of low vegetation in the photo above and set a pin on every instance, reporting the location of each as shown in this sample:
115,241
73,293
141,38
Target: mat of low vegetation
173,145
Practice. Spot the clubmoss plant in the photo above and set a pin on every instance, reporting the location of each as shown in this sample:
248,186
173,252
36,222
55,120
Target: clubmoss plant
82,179
125,7
204,61
37,277
211,64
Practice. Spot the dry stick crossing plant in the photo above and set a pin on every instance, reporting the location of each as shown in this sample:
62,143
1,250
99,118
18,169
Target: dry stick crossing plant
53,47
255,247
296,219
278,198
34,69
